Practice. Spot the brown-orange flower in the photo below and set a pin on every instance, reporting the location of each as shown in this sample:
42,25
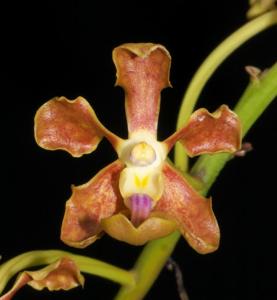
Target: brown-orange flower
140,196
60,275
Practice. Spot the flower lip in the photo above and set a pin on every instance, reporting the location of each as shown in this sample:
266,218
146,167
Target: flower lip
140,207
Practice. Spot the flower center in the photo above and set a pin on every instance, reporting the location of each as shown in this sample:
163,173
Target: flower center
141,183
142,154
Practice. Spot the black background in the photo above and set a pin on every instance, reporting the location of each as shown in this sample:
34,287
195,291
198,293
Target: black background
64,48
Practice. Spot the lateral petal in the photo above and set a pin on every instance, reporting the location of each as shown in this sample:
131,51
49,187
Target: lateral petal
89,204
70,125
190,210
209,132
142,71
61,275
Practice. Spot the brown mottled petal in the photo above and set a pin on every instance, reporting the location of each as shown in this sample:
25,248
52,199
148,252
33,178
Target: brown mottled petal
89,204
209,132
121,228
70,125
142,71
190,210
61,275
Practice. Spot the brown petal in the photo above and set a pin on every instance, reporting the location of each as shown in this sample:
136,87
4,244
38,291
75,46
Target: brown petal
190,210
89,204
143,71
22,280
121,228
70,125
209,133
61,275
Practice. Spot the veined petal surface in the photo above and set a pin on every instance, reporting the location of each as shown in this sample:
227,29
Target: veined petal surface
142,71
209,132
191,211
89,204
70,125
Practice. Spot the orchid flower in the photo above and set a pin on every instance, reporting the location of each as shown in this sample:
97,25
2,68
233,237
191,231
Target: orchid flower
140,196
61,275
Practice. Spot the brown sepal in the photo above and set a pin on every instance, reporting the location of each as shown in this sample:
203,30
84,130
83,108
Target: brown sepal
89,204
192,212
70,125
142,71
209,132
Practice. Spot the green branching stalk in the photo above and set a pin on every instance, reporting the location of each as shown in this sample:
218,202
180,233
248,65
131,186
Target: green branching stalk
209,66
44,257
253,102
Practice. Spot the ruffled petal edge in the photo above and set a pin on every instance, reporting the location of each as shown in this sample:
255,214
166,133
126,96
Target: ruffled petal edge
61,275
70,125
207,132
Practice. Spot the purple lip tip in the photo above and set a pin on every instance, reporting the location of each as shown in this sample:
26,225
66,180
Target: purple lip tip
140,206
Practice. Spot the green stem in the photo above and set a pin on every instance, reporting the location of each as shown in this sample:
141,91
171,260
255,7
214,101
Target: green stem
148,267
252,104
45,257
263,88
209,66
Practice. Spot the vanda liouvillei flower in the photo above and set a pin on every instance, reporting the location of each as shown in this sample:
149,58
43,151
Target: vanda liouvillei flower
140,196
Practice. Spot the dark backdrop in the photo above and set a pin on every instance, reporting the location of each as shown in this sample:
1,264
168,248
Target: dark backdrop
64,48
